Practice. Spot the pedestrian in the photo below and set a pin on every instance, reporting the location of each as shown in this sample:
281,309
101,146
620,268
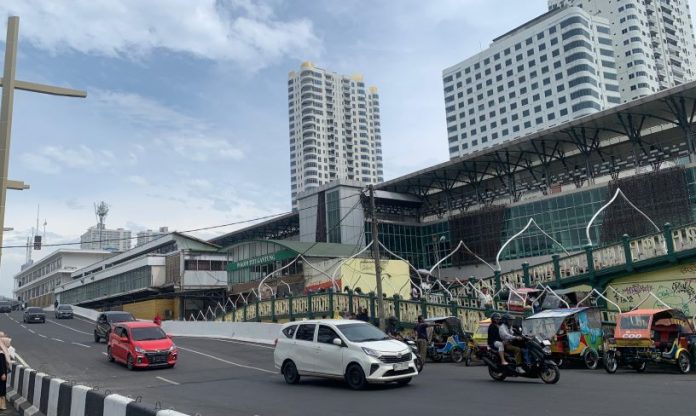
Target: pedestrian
485,298
414,293
55,304
422,338
157,320
5,365
362,315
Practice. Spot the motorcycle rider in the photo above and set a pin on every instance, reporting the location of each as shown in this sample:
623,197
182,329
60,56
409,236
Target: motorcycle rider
508,339
392,328
495,342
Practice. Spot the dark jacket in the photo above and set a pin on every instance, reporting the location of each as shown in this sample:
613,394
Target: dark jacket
493,334
3,370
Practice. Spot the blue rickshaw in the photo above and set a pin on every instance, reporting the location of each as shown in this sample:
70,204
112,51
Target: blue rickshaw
448,340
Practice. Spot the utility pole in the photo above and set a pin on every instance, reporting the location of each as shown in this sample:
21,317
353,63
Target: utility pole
9,84
375,256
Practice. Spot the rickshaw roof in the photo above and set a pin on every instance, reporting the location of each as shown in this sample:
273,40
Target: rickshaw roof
557,313
526,290
648,312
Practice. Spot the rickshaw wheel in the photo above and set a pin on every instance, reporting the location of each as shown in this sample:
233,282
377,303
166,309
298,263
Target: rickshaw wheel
640,367
457,355
684,362
591,359
496,375
467,362
437,357
550,374
610,362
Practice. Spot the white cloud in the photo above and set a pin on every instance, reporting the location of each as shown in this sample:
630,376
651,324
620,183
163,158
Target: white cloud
242,31
204,149
137,180
52,159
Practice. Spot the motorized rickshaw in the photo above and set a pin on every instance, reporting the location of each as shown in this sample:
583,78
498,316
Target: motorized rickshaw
643,336
522,299
575,333
448,339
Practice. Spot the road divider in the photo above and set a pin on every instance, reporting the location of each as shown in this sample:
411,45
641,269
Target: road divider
262,333
34,393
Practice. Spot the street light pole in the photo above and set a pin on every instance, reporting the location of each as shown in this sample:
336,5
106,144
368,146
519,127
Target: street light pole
375,255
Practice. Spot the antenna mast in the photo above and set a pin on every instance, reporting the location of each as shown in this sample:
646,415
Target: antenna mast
101,211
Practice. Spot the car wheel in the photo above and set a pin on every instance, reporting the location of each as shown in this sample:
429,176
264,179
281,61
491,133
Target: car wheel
403,381
457,355
290,373
419,364
171,365
355,377
130,363
109,356
96,337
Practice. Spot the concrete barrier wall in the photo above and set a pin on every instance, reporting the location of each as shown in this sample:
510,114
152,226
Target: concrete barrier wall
33,393
86,313
264,333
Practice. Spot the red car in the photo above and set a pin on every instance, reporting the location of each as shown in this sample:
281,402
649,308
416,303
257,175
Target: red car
141,345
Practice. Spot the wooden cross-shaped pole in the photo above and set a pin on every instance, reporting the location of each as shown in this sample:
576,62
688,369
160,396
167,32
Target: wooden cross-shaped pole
9,84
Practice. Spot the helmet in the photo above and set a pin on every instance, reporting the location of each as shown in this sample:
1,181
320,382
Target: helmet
507,318
495,316
393,320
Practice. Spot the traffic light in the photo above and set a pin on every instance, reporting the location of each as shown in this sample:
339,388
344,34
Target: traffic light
37,242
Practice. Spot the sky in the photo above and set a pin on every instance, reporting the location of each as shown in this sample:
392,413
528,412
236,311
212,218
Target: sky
185,124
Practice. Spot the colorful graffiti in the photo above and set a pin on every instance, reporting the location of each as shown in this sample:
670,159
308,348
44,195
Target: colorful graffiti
675,287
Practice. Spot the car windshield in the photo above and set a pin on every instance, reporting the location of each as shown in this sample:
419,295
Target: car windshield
362,332
34,310
64,308
635,322
121,317
544,327
148,334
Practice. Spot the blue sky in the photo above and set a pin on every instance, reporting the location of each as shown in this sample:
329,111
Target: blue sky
185,123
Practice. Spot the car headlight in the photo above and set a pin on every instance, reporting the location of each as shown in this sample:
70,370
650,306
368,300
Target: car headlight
139,350
172,348
546,343
371,352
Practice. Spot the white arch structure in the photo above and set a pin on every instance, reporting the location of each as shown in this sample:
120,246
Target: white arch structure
601,295
529,224
616,195
460,245
654,296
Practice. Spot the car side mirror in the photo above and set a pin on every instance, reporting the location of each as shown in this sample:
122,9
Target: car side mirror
169,336
337,342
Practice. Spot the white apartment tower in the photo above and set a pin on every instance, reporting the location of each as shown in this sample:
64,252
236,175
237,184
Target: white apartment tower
334,129
554,68
102,238
653,41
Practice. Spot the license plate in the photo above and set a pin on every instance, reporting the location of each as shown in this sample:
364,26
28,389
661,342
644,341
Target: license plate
400,366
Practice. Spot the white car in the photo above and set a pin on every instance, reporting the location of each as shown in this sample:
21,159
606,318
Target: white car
354,351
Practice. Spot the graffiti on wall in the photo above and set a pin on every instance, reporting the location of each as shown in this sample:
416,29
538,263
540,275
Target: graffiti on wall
675,286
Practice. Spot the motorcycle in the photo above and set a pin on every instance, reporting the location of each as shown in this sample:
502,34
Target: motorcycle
539,365
414,350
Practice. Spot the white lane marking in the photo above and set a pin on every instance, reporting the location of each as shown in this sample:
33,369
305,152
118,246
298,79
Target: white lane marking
70,328
43,336
81,345
31,330
23,326
226,361
235,342
104,353
167,381
56,339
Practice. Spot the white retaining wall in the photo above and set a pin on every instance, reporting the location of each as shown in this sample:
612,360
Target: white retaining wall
264,333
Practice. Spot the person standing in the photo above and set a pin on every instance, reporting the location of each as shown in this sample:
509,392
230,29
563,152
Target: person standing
5,365
485,298
422,337
158,319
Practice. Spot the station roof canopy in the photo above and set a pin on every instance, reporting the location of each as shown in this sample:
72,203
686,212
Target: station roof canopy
643,132
282,226
326,250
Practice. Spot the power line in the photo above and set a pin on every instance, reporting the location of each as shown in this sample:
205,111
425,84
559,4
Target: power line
211,227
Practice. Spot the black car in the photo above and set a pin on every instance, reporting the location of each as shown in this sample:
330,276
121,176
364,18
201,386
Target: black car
34,314
5,306
64,312
106,320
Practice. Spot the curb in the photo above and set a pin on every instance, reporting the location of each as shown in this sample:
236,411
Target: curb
34,393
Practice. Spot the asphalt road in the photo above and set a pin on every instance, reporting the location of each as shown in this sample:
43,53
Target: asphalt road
222,377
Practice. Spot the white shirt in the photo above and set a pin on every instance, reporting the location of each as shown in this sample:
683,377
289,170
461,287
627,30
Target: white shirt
505,333
485,299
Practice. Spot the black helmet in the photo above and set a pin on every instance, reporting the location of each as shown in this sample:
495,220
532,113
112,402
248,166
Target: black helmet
495,316
507,318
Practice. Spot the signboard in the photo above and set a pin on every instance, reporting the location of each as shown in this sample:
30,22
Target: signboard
255,261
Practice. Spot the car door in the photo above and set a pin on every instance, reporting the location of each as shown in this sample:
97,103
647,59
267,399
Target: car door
114,344
304,354
329,357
